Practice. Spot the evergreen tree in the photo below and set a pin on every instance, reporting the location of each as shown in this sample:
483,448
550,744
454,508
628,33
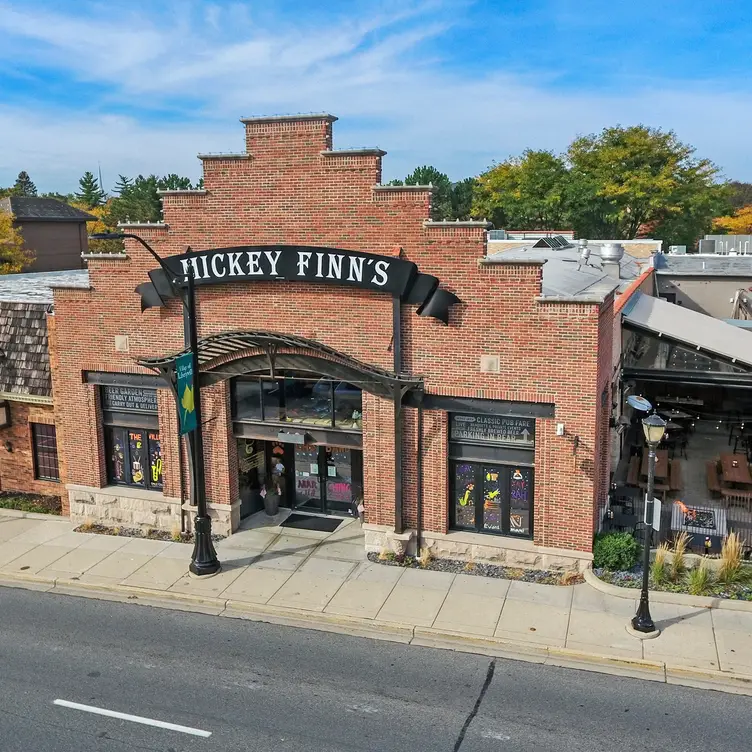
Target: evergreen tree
90,193
123,185
24,185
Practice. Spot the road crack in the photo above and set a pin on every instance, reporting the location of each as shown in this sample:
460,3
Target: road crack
476,707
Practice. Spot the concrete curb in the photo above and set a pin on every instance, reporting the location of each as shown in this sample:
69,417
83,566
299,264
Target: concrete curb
17,513
659,596
406,634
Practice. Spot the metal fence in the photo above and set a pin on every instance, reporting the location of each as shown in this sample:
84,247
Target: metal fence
707,526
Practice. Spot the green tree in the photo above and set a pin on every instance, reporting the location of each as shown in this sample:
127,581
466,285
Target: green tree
24,185
66,198
13,256
441,202
462,198
90,193
173,182
740,194
624,179
525,193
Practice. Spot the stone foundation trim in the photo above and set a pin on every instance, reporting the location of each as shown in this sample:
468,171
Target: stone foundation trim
117,506
510,552
225,517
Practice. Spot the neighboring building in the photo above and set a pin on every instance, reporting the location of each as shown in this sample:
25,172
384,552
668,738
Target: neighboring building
726,245
28,446
715,285
504,240
438,386
55,231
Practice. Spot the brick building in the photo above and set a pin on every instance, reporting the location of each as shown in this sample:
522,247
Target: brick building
385,361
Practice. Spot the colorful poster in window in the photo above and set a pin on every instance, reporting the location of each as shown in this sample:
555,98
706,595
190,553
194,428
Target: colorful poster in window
117,456
136,447
491,498
465,494
155,460
520,500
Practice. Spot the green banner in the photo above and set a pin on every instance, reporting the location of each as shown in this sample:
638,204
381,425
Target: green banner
186,387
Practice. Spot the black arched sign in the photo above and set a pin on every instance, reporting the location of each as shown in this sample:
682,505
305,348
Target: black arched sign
387,274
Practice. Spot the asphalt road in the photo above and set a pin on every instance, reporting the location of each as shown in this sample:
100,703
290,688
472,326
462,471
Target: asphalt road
263,687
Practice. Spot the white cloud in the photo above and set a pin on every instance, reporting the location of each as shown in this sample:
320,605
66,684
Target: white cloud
372,71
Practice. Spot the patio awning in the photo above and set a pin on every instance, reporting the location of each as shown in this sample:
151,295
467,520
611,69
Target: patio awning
689,328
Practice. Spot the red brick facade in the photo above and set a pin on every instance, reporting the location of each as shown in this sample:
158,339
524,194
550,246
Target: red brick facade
290,188
17,471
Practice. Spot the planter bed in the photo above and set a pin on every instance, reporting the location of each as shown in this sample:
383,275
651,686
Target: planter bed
633,579
456,566
35,503
132,532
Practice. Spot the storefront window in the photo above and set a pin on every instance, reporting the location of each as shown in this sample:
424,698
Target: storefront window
492,498
134,457
465,496
308,402
348,406
248,399
298,399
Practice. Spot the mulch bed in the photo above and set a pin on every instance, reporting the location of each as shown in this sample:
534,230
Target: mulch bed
26,502
633,579
133,532
456,566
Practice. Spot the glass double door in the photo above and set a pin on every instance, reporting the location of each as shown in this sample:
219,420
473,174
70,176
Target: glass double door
327,479
323,479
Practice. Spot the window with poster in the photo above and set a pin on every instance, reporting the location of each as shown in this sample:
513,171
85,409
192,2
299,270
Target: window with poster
492,474
131,433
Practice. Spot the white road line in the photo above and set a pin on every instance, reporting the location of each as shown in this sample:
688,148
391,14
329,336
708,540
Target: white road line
133,718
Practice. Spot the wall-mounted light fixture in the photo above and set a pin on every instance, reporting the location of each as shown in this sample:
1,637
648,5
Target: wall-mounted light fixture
8,446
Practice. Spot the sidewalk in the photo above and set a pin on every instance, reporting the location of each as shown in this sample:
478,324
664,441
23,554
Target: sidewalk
324,581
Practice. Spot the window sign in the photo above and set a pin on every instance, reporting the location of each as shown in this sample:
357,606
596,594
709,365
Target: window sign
520,495
136,446
129,399
155,459
495,429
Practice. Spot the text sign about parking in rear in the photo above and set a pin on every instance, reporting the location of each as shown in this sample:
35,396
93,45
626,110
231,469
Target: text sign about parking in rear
497,429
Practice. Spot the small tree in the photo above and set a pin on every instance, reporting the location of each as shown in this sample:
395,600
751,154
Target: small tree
90,193
13,256
740,223
24,185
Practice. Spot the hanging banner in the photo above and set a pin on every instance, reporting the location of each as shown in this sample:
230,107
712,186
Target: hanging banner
185,386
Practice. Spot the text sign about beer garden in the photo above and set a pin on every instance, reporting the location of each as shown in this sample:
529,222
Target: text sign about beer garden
129,398
497,429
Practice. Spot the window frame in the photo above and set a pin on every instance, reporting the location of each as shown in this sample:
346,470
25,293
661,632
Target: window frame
148,484
506,505
37,452
280,408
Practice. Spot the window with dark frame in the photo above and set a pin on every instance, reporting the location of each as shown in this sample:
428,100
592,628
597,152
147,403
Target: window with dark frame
299,399
491,474
44,442
132,439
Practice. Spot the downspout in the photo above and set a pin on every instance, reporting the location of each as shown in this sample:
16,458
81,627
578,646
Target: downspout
419,481
397,392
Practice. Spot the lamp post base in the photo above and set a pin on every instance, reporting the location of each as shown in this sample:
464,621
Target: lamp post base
204,561
642,635
643,621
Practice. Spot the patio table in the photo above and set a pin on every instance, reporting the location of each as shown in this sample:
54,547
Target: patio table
740,474
661,463
678,414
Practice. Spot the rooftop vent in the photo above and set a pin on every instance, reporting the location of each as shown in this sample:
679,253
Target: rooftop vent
582,244
612,252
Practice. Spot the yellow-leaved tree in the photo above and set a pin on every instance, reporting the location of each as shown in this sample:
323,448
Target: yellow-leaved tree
14,257
102,224
739,223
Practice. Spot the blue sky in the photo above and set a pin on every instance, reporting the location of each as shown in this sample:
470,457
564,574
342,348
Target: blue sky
143,86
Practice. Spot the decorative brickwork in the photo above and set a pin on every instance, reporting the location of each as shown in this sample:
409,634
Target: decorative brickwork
288,192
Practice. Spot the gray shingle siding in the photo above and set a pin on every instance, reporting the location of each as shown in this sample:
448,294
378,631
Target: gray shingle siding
24,352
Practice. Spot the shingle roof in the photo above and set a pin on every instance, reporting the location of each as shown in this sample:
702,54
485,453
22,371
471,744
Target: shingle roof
24,354
34,209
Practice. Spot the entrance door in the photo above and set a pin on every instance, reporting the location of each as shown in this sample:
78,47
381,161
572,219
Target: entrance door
328,480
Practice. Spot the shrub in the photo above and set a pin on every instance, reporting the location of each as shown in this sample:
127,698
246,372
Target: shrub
699,578
679,562
615,551
731,560
658,568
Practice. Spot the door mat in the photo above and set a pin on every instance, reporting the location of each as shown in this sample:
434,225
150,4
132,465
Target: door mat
304,522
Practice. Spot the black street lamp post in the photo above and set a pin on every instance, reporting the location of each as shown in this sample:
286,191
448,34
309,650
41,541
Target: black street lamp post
654,427
204,559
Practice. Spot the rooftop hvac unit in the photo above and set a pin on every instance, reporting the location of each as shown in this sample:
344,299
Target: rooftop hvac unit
706,246
678,249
